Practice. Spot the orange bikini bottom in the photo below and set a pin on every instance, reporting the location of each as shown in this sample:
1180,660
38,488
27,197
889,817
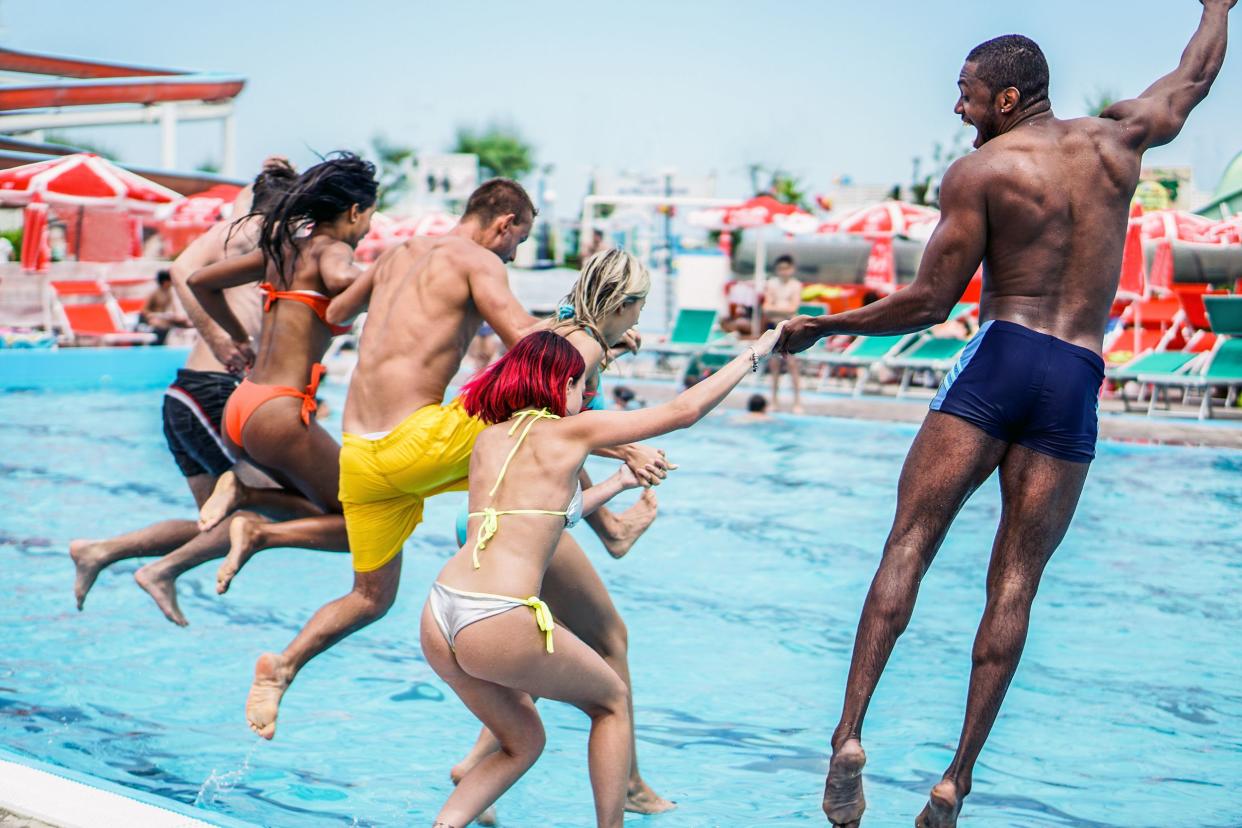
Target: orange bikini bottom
250,395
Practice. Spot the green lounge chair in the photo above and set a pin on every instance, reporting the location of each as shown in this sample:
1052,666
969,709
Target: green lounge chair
692,334
1222,366
930,353
1152,362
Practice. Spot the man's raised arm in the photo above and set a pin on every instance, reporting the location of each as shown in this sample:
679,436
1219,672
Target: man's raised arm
489,287
953,254
1157,116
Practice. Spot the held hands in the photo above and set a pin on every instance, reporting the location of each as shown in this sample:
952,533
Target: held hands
627,478
764,345
649,466
800,333
237,357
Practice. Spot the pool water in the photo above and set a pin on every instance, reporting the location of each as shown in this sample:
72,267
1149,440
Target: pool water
741,604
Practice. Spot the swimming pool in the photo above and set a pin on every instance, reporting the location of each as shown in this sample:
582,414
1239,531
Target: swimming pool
741,605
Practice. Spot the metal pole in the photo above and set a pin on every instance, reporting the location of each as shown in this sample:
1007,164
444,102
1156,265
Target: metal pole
168,135
228,150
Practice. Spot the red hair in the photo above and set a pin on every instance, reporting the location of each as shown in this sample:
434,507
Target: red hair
533,374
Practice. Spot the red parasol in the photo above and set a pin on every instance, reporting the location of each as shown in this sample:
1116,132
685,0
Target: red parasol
886,218
35,253
83,180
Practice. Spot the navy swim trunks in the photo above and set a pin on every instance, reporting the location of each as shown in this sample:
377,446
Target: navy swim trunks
1028,388
193,406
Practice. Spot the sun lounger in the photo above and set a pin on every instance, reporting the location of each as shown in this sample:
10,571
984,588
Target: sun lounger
87,314
931,353
1219,368
692,334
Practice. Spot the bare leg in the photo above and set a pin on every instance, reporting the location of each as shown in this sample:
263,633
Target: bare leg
795,376
499,664
90,557
372,596
583,604
249,534
949,460
1039,495
618,533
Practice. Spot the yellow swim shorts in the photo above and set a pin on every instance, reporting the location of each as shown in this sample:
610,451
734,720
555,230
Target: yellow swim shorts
384,482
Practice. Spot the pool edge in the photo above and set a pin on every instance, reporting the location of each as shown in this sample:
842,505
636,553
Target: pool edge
66,798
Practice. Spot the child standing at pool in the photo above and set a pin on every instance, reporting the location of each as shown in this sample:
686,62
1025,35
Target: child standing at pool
524,490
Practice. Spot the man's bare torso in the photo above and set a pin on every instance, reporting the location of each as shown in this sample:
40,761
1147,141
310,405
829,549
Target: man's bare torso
220,242
1057,197
419,324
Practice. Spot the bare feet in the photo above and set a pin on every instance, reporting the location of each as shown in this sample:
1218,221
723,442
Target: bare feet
271,680
163,589
844,802
228,495
640,799
942,808
626,528
245,538
89,559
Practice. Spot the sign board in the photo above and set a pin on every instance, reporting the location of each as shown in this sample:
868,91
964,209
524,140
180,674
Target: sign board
445,177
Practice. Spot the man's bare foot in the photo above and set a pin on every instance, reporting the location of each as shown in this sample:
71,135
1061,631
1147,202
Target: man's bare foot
89,559
640,799
942,807
626,528
228,495
163,589
844,802
271,680
245,538
458,771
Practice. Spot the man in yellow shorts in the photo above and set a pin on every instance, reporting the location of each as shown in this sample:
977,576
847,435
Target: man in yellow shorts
426,299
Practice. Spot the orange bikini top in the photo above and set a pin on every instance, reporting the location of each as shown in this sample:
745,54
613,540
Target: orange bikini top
312,299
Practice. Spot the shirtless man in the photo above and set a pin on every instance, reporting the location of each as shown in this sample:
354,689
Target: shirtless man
427,299
782,297
194,401
159,312
1043,204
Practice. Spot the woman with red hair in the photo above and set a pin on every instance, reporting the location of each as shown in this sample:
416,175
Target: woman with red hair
524,491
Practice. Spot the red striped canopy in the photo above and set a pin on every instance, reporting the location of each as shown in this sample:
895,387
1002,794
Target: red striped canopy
83,180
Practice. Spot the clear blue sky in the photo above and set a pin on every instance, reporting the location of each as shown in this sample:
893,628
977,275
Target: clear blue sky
825,88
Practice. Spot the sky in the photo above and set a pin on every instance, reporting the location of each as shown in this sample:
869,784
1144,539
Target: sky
822,89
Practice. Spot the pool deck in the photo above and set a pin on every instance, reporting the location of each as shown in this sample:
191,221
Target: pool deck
37,795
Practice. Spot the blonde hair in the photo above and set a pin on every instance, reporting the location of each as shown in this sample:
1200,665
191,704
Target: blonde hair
608,280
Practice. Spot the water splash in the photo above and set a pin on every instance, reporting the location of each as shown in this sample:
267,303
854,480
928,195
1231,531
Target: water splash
217,784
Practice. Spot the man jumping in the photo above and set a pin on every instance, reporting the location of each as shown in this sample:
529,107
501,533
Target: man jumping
1043,204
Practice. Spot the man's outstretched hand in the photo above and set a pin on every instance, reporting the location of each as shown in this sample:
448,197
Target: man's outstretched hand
800,333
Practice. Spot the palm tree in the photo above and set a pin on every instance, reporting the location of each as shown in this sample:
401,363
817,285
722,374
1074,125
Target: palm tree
501,149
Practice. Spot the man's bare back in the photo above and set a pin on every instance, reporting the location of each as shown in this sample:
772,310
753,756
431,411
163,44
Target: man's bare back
421,320
1057,196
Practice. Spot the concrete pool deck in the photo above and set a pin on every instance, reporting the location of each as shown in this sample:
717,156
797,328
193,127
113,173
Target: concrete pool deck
37,795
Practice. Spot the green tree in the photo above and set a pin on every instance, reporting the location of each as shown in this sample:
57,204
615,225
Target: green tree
209,165
501,149
1099,101
63,140
783,186
393,162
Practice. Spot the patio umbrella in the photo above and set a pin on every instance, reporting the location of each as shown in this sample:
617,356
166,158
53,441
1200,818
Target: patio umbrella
83,180
887,217
1175,225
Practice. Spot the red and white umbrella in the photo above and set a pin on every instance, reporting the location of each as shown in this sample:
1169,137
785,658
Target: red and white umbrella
886,218
1228,231
83,180
207,207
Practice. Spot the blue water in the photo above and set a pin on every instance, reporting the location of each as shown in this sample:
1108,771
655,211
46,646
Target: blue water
741,605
